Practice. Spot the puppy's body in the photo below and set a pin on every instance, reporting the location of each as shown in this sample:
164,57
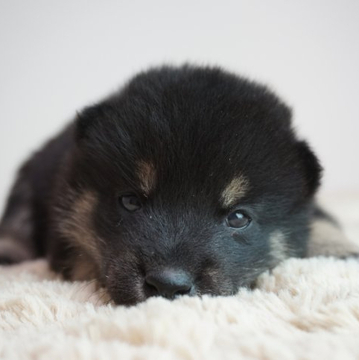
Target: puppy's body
187,181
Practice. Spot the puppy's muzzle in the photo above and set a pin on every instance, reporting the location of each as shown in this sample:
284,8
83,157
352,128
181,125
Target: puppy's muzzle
169,283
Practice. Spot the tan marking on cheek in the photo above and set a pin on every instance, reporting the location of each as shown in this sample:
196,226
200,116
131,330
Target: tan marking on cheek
147,176
83,268
234,191
327,239
278,246
77,225
220,285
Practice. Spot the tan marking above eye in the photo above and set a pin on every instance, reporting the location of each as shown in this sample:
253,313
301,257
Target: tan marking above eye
147,176
234,191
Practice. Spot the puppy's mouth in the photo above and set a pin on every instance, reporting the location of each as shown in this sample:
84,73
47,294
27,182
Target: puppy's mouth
132,287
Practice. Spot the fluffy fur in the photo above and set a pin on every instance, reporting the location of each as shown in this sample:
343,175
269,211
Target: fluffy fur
192,146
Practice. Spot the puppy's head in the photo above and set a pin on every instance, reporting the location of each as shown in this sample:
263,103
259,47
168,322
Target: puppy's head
197,184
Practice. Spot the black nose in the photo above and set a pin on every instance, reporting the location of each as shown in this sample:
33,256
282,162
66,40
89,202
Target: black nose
169,283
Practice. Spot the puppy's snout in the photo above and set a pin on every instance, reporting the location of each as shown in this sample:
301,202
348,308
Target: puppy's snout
169,283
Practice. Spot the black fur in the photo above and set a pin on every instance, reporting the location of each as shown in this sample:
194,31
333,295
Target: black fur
198,128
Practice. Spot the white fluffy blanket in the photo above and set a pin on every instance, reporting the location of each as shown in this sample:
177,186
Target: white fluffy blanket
304,309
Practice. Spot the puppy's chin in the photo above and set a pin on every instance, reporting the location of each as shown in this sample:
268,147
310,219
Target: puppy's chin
133,296
126,298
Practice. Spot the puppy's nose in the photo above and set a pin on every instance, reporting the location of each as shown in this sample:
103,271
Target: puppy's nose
169,283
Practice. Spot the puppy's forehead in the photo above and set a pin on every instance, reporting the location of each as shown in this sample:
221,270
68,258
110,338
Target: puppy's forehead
198,131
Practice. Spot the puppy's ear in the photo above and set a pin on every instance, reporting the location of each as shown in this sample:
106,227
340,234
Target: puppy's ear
311,166
88,120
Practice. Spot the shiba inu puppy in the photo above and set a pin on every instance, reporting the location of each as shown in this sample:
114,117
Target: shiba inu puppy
189,180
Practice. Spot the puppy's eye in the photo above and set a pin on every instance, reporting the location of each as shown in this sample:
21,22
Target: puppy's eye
238,220
130,202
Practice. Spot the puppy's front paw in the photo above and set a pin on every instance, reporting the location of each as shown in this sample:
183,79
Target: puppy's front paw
327,239
354,255
11,252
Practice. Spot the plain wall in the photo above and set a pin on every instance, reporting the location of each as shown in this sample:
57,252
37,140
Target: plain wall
58,56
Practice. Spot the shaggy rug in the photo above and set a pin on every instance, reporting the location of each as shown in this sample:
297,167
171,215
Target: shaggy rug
304,309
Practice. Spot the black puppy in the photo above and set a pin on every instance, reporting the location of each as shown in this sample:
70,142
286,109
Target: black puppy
187,181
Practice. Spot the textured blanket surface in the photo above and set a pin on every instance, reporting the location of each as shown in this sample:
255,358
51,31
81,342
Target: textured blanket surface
304,309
